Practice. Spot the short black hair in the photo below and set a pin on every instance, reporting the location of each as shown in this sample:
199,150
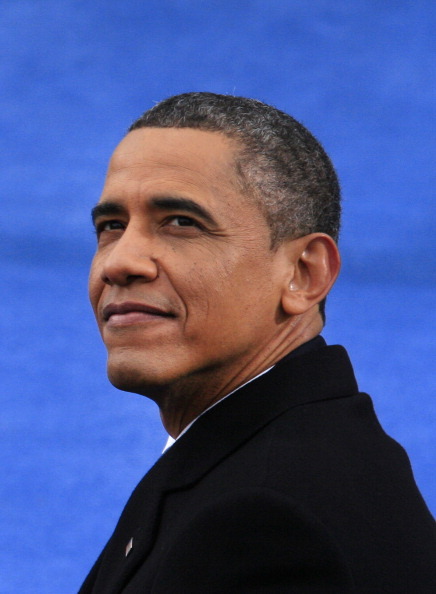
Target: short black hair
280,163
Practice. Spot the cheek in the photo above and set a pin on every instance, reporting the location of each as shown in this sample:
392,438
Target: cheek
200,288
95,286
211,289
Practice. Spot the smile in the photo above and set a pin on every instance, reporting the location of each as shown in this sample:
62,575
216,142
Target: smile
131,313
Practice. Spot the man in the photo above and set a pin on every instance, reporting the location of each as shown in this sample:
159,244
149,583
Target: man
216,250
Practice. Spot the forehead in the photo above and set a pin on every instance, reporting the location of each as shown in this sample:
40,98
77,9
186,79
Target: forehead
191,154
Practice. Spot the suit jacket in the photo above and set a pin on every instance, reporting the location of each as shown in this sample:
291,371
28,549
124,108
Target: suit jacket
289,485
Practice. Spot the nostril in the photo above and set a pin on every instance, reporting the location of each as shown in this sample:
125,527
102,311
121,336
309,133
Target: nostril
107,280
132,277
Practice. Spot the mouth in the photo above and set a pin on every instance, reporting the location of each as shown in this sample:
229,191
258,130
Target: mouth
130,312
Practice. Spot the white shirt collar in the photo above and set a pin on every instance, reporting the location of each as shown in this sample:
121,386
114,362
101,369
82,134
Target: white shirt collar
171,440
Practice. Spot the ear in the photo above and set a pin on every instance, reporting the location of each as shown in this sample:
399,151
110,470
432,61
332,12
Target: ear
314,264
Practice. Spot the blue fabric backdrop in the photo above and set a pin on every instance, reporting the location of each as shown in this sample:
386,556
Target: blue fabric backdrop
74,74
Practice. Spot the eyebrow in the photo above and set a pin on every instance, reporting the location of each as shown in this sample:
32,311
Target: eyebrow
106,209
111,208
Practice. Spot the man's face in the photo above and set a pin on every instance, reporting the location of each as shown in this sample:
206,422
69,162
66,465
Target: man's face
184,284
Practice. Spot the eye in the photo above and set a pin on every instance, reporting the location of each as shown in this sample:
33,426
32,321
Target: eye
112,225
182,221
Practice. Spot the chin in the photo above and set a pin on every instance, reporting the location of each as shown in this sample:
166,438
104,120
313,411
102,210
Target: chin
129,375
123,381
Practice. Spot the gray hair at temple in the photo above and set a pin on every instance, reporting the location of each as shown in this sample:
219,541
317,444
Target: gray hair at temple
279,163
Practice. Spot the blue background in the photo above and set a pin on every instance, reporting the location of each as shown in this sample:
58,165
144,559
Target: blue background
74,74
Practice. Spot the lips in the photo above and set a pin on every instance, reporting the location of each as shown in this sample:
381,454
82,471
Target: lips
121,309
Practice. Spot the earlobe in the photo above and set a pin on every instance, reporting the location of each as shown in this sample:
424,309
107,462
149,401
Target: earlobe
314,266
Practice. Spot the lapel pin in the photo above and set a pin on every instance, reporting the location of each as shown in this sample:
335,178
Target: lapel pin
129,546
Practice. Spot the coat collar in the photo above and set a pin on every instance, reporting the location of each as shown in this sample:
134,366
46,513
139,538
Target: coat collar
323,374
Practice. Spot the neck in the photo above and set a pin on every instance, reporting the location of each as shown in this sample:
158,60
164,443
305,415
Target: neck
183,401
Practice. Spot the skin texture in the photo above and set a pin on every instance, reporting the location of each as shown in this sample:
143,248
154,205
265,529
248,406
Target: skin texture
189,298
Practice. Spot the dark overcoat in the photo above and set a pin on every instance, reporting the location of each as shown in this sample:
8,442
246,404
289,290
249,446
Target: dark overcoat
288,485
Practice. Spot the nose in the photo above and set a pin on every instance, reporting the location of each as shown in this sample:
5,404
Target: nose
128,259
